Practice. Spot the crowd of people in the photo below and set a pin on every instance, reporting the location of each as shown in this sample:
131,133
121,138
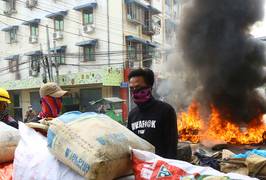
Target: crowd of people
151,119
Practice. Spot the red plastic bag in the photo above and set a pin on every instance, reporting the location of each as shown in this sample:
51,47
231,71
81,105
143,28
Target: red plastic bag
6,171
148,166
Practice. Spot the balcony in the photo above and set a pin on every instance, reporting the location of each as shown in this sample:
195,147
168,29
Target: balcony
148,28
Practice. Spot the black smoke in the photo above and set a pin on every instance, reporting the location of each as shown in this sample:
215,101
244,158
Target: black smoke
215,39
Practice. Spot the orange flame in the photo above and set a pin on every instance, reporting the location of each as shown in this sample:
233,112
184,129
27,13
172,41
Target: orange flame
192,127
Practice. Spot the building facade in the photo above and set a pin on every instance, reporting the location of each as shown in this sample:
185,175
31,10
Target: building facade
86,46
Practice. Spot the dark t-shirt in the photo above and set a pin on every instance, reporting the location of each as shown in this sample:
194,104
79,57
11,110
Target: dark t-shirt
156,123
10,121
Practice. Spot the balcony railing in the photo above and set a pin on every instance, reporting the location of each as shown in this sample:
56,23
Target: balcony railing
148,28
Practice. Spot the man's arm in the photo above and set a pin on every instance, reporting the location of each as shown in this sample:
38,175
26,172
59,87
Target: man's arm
171,134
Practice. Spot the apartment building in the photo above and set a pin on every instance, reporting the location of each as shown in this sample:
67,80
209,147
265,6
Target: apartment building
83,45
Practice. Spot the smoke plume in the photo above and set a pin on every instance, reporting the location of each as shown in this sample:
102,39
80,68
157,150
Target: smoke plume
226,60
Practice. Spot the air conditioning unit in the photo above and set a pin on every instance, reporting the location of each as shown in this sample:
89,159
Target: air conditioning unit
33,73
31,3
89,28
10,12
33,39
58,35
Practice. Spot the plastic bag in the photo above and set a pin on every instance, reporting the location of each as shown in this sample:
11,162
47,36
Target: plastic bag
6,170
9,138
147,165
34,161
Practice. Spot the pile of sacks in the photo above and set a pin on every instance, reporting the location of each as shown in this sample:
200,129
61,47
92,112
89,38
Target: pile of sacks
252,163
78,146
91,146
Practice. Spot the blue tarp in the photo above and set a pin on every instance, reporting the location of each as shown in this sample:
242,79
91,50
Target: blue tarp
248,153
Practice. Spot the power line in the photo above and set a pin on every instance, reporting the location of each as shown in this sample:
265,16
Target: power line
62,30
68,18
117,31
80,65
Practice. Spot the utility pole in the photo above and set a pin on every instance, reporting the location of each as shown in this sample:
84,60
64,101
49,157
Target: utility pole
56,63
49,55
44,66
108,33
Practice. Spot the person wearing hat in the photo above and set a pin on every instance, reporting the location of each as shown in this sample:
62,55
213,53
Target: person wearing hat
51,101
4,116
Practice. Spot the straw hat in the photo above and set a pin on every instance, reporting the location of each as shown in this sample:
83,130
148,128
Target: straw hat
51,89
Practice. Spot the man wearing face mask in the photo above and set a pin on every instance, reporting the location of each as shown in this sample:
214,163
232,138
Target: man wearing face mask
51,101
152,120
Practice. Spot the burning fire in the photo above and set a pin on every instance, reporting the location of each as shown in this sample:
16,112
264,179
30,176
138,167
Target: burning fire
192,127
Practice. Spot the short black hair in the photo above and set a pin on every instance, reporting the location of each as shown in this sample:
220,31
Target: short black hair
147,75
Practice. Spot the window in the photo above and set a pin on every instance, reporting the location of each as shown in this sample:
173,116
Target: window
35,63
34,30
135,13
12,33
134,53
13,65
11,5
148,27
87,17
148,54
59,57
59,24
89,53
16,100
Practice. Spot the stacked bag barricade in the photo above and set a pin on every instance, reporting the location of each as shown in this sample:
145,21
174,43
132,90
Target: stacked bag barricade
93,145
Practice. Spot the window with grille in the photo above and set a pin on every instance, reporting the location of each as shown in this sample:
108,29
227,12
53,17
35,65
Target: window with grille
59,24
134,53
135,13
87,17
34,30
12,36
89,53
60,57
35,63
13,65
10,5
